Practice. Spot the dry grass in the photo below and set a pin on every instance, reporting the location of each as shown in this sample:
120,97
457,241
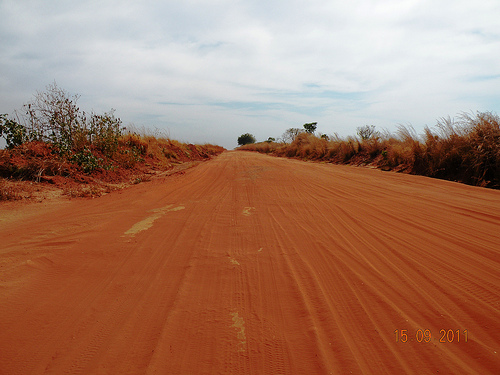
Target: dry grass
164,150
466,150
92,173
12,191
86,191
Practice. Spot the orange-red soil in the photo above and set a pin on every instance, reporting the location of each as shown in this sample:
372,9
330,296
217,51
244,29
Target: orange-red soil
249,264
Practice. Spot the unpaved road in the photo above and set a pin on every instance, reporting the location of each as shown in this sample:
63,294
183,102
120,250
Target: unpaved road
249,264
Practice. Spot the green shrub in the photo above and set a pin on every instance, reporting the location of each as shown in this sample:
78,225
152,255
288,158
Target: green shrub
105,131
87,160
13,132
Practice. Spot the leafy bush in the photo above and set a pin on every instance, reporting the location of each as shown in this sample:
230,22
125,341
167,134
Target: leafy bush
87,160
13,132
104,132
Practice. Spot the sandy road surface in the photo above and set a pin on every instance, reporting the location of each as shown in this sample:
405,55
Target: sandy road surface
249,264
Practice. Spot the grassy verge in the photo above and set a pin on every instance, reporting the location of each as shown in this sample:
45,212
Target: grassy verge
90,172
466,151
85,154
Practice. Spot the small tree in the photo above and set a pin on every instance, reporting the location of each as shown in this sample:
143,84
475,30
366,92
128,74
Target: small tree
245,139
366,132
310,127
270,139
290,134
53,116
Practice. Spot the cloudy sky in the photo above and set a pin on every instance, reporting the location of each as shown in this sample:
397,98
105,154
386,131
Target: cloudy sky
210,70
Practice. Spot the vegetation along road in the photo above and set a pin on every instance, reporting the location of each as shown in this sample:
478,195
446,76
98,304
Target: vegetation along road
251,264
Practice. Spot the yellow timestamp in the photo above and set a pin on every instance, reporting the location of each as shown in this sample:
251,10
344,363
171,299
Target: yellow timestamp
425,335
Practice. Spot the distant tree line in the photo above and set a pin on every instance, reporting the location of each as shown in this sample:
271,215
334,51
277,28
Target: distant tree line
288,136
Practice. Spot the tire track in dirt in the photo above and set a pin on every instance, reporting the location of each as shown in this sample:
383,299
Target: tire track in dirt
358,233
273,266
219,281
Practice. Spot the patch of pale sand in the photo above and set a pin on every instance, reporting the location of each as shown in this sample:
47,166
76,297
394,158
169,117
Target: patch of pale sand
239,324
148,222
247,211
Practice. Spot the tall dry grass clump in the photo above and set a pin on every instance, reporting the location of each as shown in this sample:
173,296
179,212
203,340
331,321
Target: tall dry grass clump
466,150
262,147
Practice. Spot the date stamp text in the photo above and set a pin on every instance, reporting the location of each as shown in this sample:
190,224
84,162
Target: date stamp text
425,335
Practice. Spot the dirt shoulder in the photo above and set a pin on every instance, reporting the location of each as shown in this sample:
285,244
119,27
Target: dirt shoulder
18,193
33,198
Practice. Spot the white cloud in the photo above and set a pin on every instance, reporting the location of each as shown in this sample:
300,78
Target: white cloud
211,70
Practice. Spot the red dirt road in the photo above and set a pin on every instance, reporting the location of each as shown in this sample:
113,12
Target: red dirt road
249,264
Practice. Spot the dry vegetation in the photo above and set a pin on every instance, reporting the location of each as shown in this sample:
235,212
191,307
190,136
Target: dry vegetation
467,150
86,155
92,173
